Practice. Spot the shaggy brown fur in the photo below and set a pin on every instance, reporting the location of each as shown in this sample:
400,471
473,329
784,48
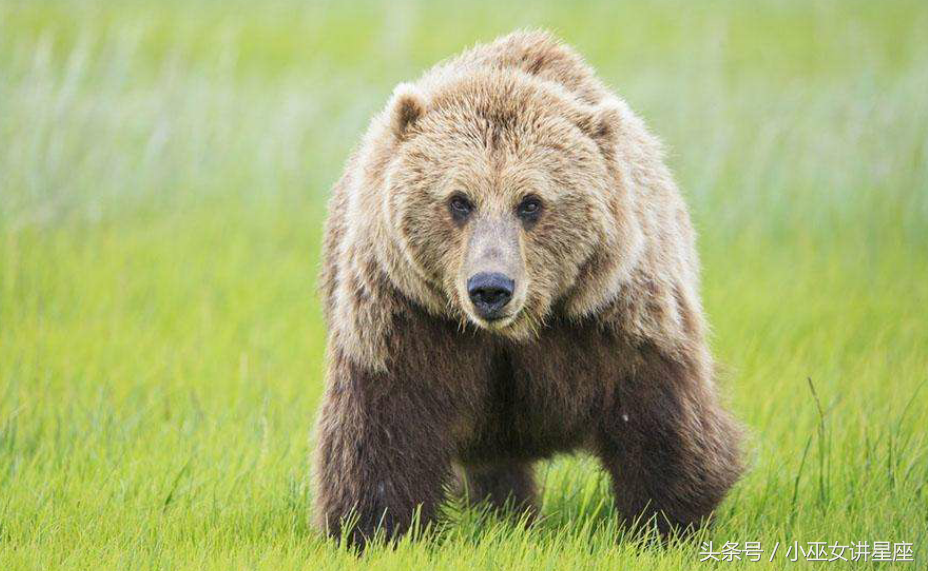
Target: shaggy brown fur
513,158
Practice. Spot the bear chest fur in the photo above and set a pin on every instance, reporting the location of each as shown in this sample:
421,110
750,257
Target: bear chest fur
545,396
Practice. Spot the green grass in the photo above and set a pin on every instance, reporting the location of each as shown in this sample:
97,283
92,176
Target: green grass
163,175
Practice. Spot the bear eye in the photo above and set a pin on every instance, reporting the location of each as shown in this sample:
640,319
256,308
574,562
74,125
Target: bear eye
530,208
460,207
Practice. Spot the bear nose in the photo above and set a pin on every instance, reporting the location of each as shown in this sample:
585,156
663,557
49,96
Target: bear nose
490,293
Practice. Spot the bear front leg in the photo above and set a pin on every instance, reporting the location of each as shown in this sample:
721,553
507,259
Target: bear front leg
381,455
671,449
506,487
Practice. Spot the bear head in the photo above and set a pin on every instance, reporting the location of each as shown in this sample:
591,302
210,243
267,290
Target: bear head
504,201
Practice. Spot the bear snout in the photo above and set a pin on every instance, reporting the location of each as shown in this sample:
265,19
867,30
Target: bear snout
490,293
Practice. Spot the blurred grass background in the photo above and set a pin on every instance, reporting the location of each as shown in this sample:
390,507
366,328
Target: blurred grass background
164,168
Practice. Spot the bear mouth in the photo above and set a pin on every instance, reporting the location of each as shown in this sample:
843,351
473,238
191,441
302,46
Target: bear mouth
505,320
495,322
499,321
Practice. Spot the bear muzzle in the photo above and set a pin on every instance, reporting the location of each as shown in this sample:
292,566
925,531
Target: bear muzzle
490,293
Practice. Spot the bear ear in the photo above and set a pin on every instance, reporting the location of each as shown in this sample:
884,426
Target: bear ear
601,123
407,107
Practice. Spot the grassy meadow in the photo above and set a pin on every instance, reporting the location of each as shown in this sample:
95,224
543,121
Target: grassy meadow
164,168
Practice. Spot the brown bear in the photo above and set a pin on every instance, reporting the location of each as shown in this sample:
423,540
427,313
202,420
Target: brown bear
510,273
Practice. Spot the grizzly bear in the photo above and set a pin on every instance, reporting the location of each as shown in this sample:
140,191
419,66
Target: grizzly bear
510,273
